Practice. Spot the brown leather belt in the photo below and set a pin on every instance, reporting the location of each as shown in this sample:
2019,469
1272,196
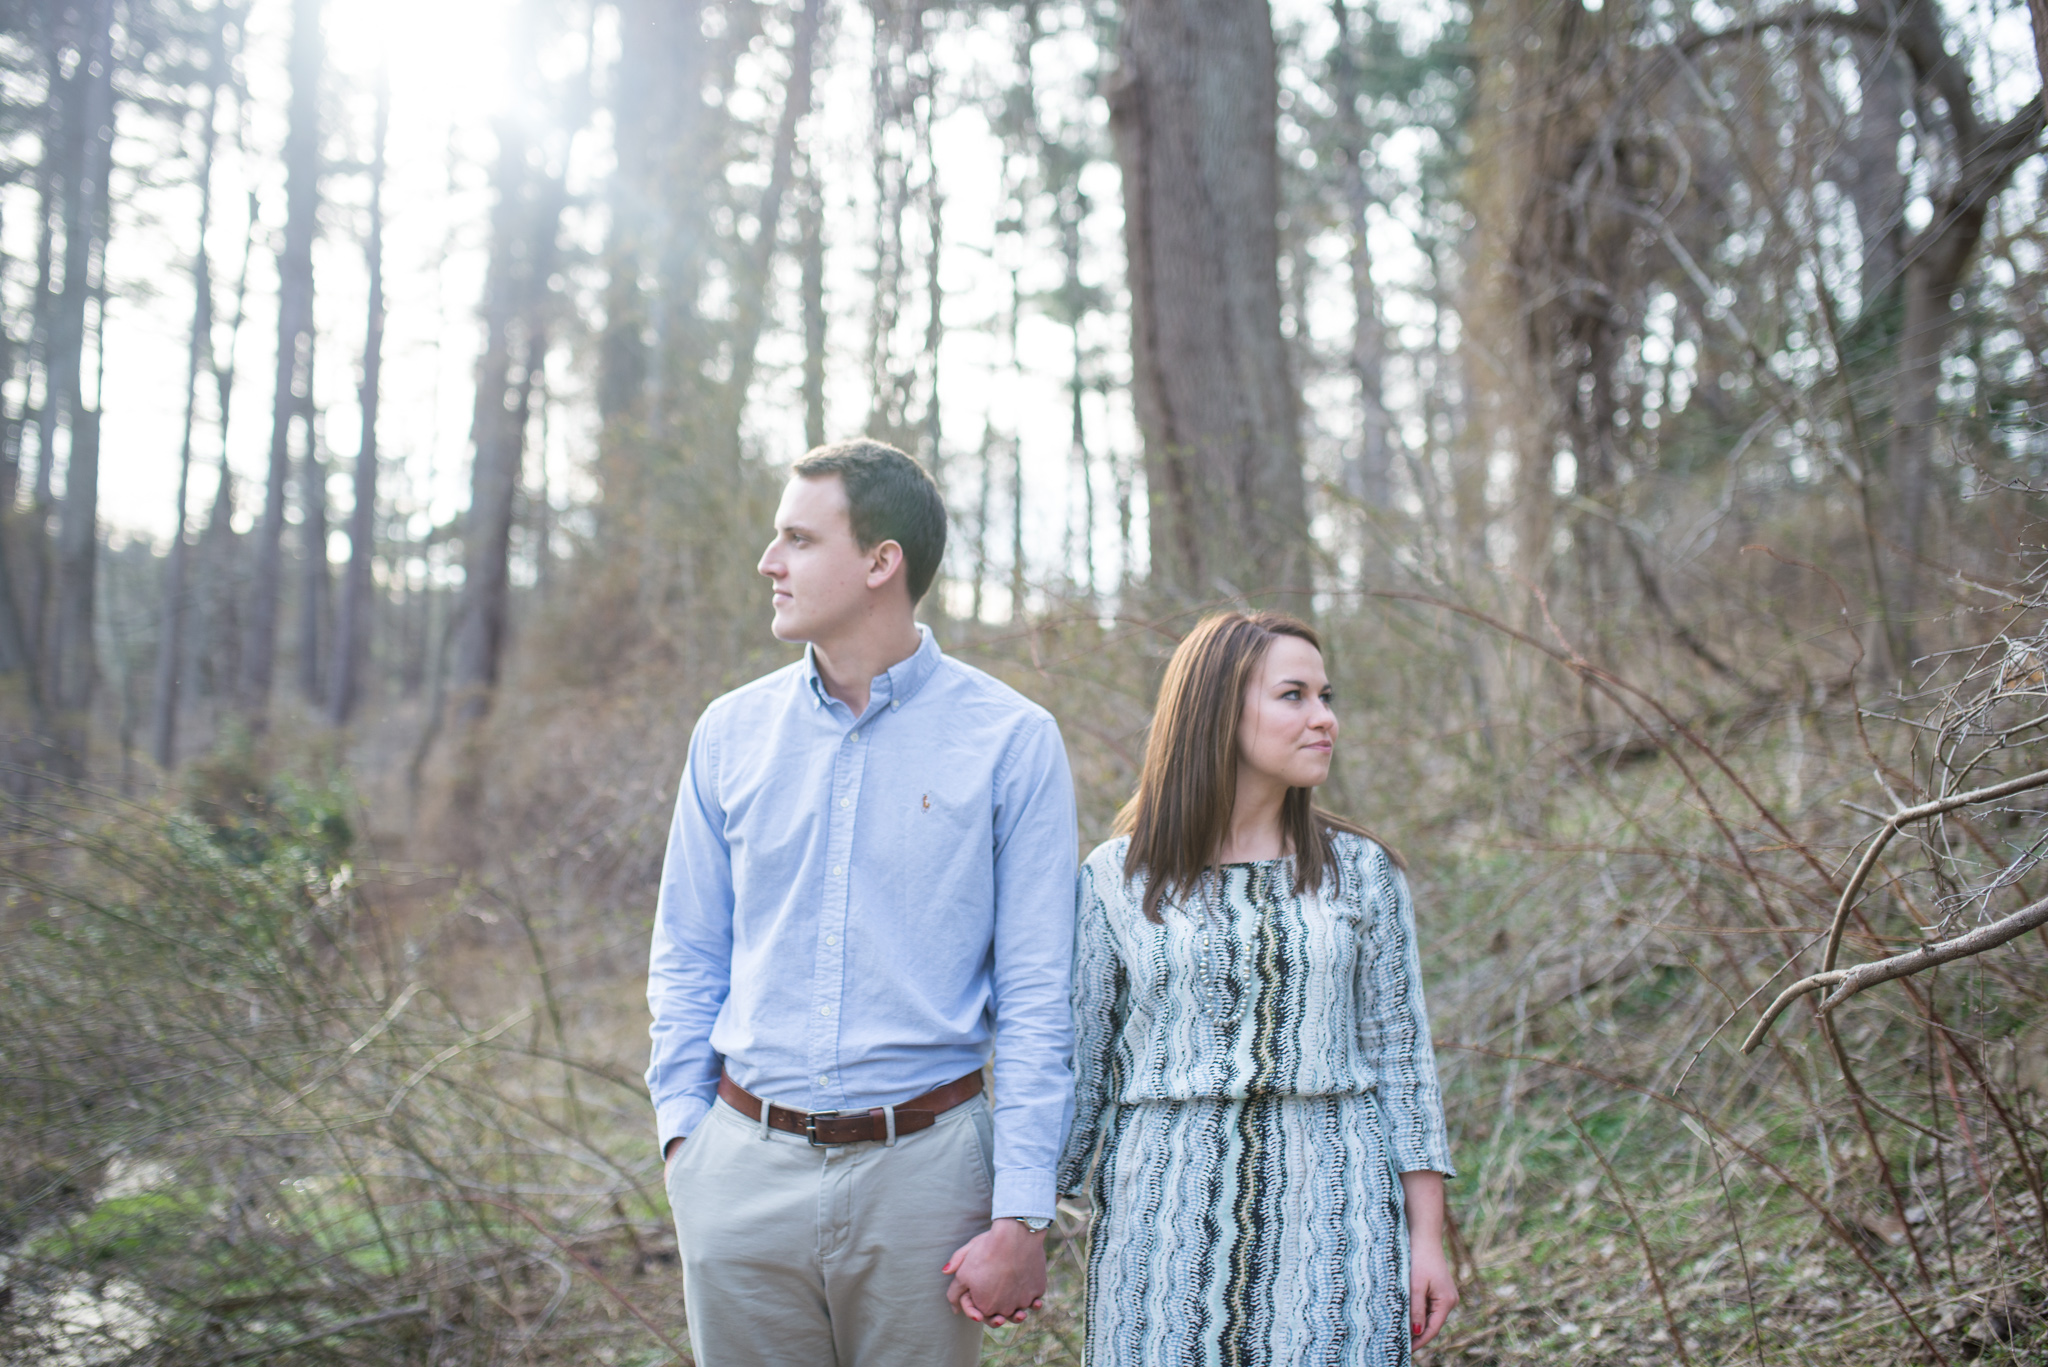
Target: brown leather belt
854,1127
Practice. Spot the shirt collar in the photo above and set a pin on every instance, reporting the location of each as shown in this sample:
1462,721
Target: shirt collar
896,684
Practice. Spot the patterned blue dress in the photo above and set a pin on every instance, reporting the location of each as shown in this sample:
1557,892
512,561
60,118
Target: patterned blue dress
1252,1076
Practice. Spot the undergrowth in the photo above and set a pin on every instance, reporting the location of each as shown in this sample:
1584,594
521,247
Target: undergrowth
270,1093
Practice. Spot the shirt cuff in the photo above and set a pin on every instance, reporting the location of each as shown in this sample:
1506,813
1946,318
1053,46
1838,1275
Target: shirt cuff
676,1117
1023,1193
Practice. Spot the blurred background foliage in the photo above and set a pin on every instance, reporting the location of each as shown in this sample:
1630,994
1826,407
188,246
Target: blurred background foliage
1645,400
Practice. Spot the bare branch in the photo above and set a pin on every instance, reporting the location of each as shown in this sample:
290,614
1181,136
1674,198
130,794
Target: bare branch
1847,982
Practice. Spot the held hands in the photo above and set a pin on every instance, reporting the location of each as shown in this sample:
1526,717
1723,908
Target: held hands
998,1276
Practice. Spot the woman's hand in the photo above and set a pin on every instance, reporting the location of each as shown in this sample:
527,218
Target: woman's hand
1432,1291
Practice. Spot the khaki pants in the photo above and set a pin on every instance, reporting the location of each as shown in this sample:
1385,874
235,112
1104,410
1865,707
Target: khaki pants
795,1256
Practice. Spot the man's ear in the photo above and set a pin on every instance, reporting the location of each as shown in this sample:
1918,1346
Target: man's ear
884,560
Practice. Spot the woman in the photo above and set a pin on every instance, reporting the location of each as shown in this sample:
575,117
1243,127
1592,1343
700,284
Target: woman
1253,1055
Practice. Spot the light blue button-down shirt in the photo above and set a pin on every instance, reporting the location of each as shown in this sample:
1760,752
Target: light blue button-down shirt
854,910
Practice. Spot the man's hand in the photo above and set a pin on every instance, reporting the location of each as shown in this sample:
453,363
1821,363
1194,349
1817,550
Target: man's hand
998,1276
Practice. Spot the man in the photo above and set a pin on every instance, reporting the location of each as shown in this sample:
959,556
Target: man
869,882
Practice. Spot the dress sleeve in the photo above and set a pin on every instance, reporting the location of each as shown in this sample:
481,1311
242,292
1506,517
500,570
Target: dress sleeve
1394,1022
1097,984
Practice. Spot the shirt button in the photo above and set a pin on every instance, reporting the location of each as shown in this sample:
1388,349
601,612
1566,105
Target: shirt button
894,705
824,1010
846,802
831,939
824,1081
835,870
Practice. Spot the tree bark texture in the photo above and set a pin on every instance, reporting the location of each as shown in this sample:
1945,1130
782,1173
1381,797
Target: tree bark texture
351,631
294,349
1192,107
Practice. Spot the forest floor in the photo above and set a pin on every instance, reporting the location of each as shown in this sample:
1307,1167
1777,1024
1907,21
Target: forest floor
1554,1274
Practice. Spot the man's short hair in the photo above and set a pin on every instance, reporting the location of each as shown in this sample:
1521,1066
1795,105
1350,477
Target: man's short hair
889,497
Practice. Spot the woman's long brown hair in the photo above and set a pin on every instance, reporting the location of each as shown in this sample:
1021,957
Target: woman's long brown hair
1180,815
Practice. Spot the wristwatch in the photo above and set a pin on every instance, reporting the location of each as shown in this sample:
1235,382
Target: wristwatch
1033,1223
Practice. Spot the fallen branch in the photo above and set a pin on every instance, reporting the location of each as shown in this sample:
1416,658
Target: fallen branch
1847,982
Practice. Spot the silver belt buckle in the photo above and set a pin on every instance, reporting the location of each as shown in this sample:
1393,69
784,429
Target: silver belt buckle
811,1119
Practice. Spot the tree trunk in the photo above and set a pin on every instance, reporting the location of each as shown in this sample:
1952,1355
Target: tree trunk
216,633
524,227
53,170
1368,475
12,421
163,729
351,634
1192,107
1019,601
294,349
662,129
1071,210
1868,168
1936,263
811,222
72,658
315,582
217,596
651,349
20,697
2039,10
796,104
